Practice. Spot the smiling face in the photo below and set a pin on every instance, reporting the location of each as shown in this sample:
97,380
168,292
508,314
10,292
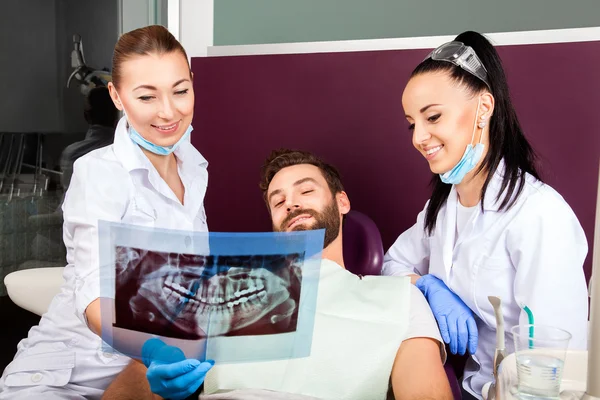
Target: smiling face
300,199
156,93
442,115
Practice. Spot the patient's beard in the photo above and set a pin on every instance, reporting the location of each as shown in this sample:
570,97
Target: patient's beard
328,219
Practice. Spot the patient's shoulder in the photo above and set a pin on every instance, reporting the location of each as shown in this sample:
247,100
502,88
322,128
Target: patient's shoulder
418,302
422,322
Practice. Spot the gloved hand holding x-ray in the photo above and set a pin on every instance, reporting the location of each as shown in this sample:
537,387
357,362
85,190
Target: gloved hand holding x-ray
170,374
226,297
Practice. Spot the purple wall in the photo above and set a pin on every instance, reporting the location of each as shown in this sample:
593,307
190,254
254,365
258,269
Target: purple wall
346,107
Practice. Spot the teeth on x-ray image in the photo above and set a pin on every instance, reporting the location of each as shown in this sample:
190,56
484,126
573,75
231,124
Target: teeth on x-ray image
192,296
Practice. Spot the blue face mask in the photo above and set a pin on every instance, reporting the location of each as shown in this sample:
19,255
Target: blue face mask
160,150
466,164
468,161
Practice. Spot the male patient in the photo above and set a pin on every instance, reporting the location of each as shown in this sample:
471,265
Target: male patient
379,339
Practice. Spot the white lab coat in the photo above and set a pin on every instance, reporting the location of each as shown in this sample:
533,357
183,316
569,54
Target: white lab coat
61,357
530,255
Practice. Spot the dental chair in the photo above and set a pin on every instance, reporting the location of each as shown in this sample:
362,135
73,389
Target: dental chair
33,289
363,255
363,250
33,232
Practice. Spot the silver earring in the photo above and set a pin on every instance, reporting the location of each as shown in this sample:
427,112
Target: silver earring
482,123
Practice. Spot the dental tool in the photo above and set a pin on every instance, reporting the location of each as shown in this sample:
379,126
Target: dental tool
500,351
86,77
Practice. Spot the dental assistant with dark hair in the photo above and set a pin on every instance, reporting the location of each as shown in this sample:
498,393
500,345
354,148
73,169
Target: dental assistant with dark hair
491,226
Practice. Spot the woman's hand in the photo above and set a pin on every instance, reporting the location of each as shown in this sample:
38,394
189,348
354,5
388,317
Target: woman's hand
170,374
455,320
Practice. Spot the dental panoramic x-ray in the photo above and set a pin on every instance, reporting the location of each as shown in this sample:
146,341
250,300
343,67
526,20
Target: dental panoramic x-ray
190,296
230,297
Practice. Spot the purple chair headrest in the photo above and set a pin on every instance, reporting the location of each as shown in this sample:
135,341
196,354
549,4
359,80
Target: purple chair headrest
363,250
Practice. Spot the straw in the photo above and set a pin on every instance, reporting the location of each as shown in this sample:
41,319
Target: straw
530,318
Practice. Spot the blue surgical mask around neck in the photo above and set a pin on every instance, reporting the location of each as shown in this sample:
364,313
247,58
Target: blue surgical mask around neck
156,149
469,159
151,147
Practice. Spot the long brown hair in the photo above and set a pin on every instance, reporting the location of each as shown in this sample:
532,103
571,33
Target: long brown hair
153,39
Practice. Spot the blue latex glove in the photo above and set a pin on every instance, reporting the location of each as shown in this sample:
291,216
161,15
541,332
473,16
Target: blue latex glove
455,320
170,374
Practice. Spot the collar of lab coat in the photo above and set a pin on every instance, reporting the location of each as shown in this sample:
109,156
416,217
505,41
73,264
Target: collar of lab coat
132,157
449,224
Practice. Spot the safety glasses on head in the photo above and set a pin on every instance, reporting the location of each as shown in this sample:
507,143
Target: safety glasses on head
463,56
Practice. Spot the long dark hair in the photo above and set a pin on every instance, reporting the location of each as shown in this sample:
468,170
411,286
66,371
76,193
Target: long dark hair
507,141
